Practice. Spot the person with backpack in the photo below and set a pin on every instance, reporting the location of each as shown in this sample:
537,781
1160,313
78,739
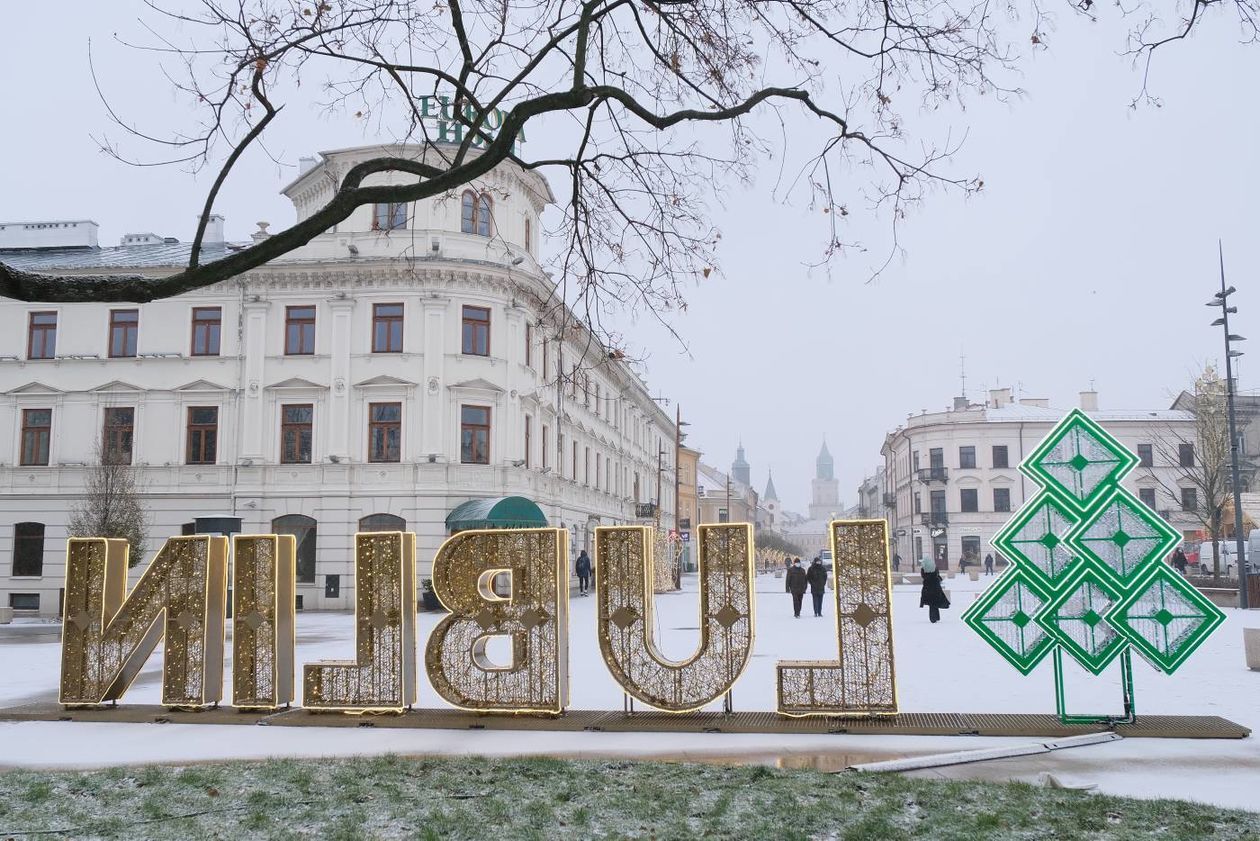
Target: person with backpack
583,570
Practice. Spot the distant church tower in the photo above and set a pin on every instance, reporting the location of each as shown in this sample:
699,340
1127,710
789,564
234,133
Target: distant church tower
826,489
770,501
739,467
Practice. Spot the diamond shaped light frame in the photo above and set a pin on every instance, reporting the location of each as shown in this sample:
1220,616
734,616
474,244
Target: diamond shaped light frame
1004,616
1123,537
1079,461
1036,538
1075,617
1165,618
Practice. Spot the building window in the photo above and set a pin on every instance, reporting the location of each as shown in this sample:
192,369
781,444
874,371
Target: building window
124,327
1001,458
597,399
299,331
384,432
969,500
1146,456
389,216
918,504
28,549
575,460
1189,499
24,601
559,454
599,473
936,458
546,360
119,435
1147,495
723,515
387,328
529,237
203,435
546,455
966,458
382,522
41,338
476,331
295,433
303,529
207,323
1001,499
475,213
474,434
528,463
586,468
936,500
1185,455
529,345
36,434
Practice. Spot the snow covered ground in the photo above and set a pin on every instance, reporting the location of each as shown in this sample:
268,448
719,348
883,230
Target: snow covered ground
940,668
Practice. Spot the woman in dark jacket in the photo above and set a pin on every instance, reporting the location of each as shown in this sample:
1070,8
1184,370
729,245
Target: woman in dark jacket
932,596
583,570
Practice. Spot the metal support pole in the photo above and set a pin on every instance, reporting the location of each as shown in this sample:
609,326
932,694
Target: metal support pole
1233,439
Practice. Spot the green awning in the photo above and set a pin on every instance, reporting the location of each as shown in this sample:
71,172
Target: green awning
500,512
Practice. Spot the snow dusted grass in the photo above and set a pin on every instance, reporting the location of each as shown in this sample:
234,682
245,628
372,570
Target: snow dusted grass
392,797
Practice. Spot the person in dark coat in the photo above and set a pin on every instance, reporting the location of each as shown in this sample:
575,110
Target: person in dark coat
787,568
988,564
583,570
1180,561
932,596
817,578
896,562
797,581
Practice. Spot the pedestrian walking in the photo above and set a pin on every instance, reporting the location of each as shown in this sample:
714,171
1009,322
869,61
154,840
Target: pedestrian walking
1180,561
817,578
797,582
787,568
583,570
932,596
988,564
896,562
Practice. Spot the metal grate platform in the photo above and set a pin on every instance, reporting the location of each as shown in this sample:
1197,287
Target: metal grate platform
905,724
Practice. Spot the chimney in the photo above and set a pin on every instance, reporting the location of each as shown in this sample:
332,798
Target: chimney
1089,401
305,165
214,230
999,397
960,404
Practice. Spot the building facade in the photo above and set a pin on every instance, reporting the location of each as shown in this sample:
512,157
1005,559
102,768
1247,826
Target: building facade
410,360
951,478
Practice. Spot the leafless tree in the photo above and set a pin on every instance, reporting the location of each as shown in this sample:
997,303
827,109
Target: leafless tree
111,505
650,107
1200,457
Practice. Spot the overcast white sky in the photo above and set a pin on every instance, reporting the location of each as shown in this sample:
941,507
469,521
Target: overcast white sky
1087,257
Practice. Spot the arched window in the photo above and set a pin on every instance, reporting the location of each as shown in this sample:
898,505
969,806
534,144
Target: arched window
474,214
382,522
28,549
303,530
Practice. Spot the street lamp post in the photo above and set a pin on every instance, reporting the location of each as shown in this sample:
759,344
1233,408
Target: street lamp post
1221,299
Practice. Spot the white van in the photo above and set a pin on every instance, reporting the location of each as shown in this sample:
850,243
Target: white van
1229,555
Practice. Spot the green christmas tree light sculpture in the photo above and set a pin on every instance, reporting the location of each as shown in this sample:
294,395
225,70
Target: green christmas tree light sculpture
1088,574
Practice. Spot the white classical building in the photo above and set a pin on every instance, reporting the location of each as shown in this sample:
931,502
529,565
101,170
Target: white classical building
410,360
951,478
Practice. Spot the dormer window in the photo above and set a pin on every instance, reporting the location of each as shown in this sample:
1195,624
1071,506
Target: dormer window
389,216
475,213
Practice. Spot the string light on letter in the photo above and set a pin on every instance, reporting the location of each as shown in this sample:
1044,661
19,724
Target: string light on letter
623,591
264,578
382,677
862,681
107,635
502,583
